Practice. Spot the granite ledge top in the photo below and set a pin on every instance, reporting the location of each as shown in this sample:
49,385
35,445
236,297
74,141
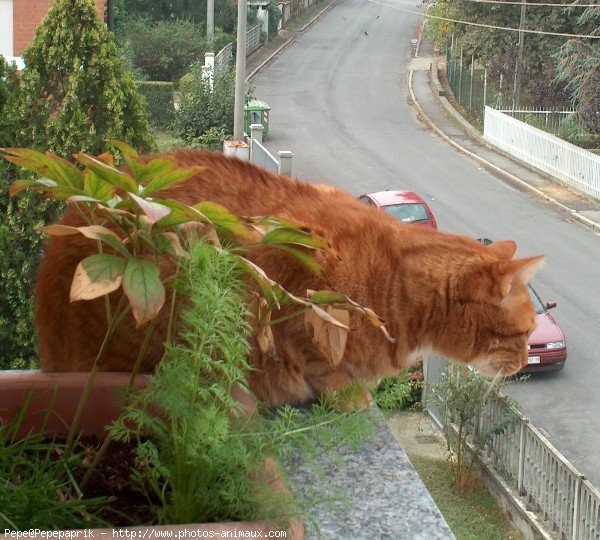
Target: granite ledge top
383,494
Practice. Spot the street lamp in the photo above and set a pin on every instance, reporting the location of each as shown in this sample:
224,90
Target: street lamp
240,73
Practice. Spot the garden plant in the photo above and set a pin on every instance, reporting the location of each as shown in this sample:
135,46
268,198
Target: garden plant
193,460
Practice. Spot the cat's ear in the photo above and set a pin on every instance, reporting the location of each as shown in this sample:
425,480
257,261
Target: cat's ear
519,271
493,281
504,250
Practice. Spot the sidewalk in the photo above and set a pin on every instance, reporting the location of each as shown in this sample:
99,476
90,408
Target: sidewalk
286,36
439,114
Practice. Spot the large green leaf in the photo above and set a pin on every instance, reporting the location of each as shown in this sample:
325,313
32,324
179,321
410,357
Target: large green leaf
153,210
54,167
20,185
125,149
290,235
96,276
303,257
165,180
94,232
222,217
108,173
97,188
180,213
154,168
145,291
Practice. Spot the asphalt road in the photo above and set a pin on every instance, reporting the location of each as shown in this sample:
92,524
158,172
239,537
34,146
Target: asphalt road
339,102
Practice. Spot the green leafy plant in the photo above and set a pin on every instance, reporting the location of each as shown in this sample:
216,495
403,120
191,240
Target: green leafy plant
162,50
74,94
134,229
202,109
203,455
37,486
462,394
400,392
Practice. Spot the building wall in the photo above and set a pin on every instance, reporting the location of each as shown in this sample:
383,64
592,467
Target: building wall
27,15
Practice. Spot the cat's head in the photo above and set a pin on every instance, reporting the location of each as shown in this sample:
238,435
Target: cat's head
496,313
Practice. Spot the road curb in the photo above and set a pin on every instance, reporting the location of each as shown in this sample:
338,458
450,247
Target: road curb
314,19
487,164
275,53
268,59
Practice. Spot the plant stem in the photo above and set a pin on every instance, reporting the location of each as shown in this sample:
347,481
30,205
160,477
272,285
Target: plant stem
108,439
90,382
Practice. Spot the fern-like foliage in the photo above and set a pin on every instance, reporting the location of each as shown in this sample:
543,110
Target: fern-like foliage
198,454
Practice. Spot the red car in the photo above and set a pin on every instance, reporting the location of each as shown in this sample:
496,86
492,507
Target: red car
547,345
406,206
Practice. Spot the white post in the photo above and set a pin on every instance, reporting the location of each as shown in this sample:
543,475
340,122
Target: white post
577,506
240,73
256,131
521,472
285,162
208,69
484,88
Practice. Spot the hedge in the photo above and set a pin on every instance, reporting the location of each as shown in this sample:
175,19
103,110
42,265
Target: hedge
159,97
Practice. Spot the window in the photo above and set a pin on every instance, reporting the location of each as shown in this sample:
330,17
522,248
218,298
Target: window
408,212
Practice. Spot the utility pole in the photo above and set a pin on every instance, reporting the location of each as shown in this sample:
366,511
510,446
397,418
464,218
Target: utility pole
240,73
519,62
210,23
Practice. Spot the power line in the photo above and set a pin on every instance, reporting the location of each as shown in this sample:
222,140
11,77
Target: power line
481,25
533,5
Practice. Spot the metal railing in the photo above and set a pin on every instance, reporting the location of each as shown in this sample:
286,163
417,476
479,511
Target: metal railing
548,120
224,59
252,39
577,167
554,489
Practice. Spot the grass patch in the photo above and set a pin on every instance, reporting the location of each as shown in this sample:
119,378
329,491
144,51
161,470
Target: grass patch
471,516
166,141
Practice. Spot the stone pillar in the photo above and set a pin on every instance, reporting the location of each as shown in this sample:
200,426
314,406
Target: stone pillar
285,162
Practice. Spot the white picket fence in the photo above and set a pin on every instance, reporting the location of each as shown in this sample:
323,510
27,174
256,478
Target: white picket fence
567,503
573,165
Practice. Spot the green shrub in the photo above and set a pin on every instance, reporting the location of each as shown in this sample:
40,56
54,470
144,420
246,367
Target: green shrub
74,94
162,50
462,395
400,392
274,18
159,98
199,458
202,109
194,10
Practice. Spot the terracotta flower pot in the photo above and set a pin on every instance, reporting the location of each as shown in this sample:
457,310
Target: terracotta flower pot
52,400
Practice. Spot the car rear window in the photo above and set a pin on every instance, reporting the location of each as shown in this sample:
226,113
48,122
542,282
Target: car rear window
408,212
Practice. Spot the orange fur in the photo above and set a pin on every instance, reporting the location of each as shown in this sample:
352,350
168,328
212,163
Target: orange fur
436,291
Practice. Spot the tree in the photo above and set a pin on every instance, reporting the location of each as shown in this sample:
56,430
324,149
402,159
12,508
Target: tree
497,48
579,68
73,95
194,10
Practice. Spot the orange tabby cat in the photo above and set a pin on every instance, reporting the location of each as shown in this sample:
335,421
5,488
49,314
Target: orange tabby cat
436,292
